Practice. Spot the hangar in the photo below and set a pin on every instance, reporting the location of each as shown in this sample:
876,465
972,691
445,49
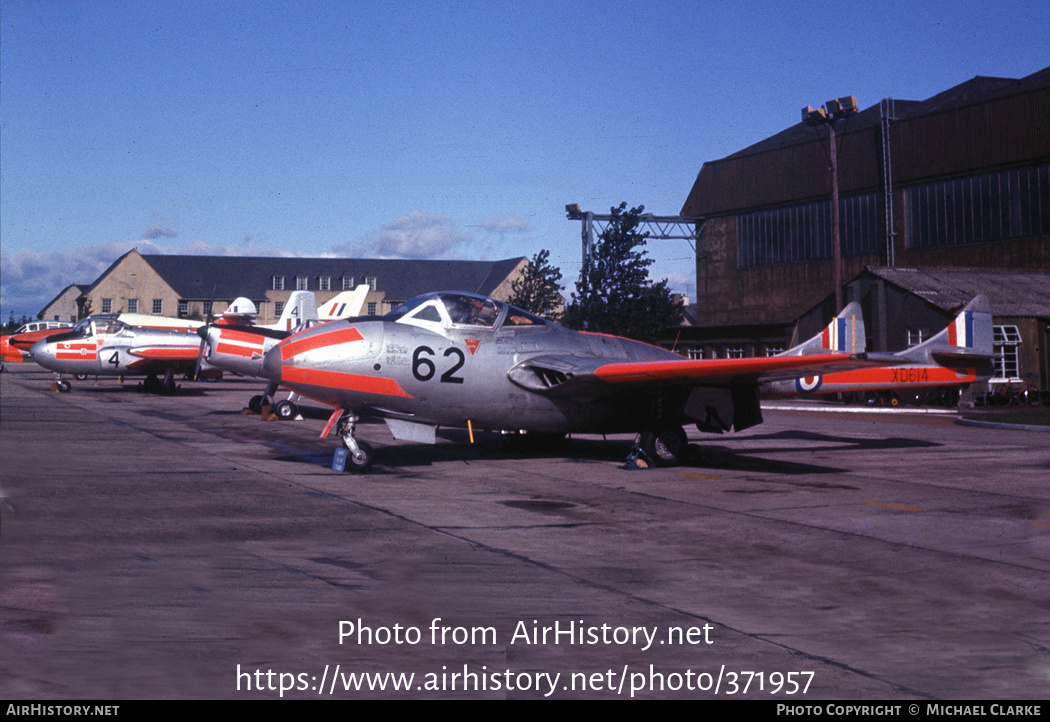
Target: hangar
960,180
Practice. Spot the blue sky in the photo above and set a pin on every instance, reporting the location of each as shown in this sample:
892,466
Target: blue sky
422,129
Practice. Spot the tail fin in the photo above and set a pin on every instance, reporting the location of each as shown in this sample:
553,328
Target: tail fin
300,309
966,339
845,334
345,305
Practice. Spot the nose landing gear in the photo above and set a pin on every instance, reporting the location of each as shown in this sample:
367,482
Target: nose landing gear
360,454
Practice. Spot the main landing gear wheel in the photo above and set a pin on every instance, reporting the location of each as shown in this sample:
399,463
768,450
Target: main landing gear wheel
666,447
64,386
80,377
255,404
285,410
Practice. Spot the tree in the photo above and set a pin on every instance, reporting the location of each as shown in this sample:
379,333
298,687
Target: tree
536,290
614,293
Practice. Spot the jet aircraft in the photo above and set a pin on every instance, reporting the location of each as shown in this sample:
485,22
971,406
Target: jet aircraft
457,359
960,354
103,345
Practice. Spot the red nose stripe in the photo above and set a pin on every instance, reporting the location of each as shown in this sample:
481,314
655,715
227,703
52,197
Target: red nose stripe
237,350
76,352
340,380
294,346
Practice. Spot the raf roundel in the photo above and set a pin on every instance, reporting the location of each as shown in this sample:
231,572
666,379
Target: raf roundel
809,384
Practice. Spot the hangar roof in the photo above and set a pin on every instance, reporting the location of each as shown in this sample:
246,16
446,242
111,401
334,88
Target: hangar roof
978,89
1012,293
226,277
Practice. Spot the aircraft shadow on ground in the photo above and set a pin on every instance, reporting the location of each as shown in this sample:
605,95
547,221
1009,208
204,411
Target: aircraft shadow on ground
493,447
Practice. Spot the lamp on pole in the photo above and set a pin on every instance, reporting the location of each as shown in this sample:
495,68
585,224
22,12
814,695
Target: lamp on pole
827,115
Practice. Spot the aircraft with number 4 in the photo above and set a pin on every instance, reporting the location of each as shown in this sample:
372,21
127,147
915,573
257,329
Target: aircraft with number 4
960,354
104,345
456,359
136,345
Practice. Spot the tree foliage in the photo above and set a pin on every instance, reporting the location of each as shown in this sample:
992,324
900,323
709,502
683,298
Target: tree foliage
614,293
536,290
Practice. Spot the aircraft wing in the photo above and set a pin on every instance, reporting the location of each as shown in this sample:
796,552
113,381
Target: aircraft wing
724,372
571,375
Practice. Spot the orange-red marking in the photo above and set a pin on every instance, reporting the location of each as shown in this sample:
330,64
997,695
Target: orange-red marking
294,345
341,380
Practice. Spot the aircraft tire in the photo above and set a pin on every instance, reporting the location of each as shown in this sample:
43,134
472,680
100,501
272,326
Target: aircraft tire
285,410
666,447
80,377
359,467
64,386
255,404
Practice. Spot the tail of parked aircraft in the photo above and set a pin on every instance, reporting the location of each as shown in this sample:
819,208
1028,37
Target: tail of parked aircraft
300,309
845,334
965,341
346,305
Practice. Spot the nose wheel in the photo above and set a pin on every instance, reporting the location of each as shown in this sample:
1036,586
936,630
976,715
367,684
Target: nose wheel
360,454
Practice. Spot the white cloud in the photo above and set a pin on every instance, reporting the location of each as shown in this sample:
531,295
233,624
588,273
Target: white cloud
416,235
155,231
506,223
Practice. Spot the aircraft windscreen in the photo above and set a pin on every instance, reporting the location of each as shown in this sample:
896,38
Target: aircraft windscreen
471,310
83,328
465,309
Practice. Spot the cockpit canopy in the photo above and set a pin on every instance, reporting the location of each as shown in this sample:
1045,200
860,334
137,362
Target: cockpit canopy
458,309
99,325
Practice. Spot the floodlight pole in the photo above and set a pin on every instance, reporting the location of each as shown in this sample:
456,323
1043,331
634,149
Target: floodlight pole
836,240
827,115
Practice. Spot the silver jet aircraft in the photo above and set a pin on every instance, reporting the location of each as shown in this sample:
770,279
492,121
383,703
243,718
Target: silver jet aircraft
456,359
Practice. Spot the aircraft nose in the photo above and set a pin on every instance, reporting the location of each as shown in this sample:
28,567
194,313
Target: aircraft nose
43,353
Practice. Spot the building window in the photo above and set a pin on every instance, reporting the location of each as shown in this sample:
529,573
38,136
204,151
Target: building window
206,307
695,352
774,350
917,336
278,283
1005,340
348,283
803,232
371,309
158,306
979,209
133,305
371,282
107,305
324,283
184,309
278,309
302,283
735,352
